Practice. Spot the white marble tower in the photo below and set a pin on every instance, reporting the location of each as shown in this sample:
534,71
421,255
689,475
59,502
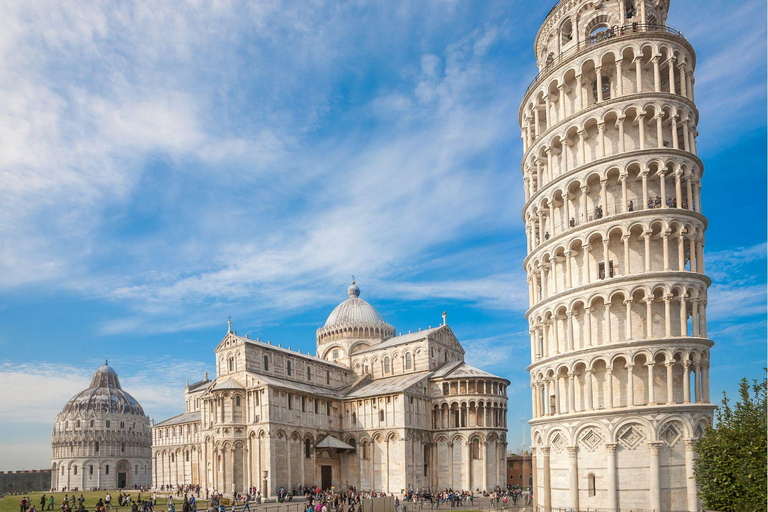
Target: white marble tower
618,294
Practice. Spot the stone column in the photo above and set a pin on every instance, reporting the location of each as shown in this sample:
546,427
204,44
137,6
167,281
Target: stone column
647,254
579,98
638,61
601,137
656,73
630,385
609,380
651,393
649,317
561,101
667,316
569,319
611,498
535,476
660,135
627,264
697,381
547,480
628,321
641,129
690,477
571,393
675,141
588,378
686,382
622,144
573,477
599,78
655,484
670,389
683,317
671,65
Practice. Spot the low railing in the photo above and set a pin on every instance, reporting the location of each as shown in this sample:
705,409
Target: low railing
600,37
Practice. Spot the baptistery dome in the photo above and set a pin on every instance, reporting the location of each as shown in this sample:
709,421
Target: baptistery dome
101,439
353,324
104,394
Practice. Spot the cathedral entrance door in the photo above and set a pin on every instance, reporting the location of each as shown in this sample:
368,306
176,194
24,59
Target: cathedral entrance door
326,475
122,480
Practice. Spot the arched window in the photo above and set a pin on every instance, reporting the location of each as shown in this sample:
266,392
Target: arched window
566,32
122,424
96,446
363,456
335,353
237,401
78,424
122,447
90,469
606,83
354,419
475,448
327,376
107,469
288,368
231,364
408,361
387,366
591,484
172,458
307,451
74,469
187,456
381,415
266,363
91,423
309,373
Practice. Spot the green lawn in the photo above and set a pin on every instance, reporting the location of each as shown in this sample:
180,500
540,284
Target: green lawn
10,503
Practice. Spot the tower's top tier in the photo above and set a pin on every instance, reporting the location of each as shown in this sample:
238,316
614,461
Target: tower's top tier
573,24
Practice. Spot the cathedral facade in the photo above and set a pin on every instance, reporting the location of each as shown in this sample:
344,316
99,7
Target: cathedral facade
370,409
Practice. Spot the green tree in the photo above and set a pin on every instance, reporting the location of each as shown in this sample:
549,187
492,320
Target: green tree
731,457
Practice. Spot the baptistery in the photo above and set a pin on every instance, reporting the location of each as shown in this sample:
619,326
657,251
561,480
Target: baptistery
101,439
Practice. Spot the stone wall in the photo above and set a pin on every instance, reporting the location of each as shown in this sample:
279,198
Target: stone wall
22,481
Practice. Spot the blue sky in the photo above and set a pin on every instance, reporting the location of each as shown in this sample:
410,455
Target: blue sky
164,165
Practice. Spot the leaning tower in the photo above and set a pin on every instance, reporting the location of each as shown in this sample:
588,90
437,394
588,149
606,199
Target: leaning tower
615,232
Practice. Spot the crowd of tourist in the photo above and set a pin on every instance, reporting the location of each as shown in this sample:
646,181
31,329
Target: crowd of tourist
316,500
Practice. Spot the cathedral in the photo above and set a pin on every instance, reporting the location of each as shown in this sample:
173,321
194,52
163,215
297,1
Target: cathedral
371,409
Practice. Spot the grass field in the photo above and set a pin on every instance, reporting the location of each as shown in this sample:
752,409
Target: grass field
10,503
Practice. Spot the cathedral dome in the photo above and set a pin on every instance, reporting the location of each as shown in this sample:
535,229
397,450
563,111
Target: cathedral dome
104,395
354,312
354,318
